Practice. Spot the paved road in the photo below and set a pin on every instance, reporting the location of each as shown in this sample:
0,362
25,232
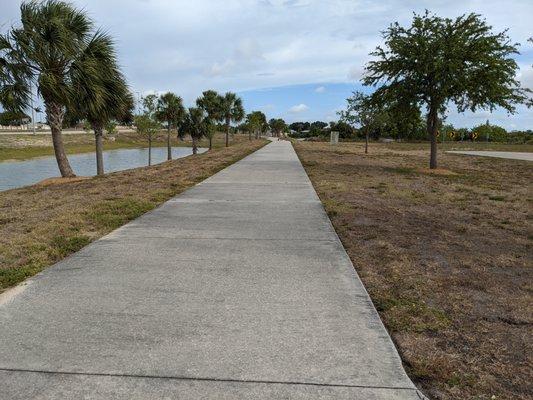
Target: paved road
237,289
498,154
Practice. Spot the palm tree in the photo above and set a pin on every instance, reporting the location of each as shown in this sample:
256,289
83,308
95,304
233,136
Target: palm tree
50,51
256,122
170,110
232,111
107,100
196,123
211,103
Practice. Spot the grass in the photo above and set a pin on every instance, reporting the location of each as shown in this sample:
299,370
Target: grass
42,224
446,258
23,147
447,146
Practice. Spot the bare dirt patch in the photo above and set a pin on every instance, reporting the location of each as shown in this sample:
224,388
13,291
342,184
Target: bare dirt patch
436,171
60,181
446,259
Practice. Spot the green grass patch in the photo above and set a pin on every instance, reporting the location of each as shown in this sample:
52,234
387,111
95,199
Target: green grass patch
112,214
497,198
12,276
62,246
40,255
411,315
399,170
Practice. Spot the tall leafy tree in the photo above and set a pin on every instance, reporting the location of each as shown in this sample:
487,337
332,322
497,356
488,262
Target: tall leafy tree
107,99
401,110
148,128
171,111
232,111
363,112
149,103
146,123
442,61
49,50
197,124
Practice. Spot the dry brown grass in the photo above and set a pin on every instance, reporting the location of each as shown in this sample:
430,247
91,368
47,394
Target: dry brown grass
446,259
42,224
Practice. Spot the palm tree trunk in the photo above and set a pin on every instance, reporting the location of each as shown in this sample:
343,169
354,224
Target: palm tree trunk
169,148
194,145
149,150
55,113
432,121
98,136
227,131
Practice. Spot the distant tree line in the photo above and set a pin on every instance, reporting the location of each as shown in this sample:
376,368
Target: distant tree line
386,128
14,118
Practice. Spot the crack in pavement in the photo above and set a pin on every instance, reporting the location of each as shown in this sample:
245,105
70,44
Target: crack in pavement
206,379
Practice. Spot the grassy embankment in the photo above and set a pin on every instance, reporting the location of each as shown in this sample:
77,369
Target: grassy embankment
445,256
41,224
22,147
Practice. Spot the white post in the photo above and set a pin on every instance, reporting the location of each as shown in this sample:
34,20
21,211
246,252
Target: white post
334,137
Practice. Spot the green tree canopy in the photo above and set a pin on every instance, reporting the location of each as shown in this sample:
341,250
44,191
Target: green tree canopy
300,126
13,118
277,125
346,130
211,103
257,123
170,109
441,61
490,133
368,115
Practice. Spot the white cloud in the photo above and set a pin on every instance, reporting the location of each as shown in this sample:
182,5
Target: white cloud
526,75
355,73
299,108
320,89
189,46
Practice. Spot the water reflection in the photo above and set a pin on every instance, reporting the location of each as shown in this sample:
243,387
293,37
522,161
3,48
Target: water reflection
14,174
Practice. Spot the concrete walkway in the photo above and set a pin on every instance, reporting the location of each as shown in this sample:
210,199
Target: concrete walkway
237,289
511,155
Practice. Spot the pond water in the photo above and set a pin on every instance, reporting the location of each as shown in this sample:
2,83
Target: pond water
14,174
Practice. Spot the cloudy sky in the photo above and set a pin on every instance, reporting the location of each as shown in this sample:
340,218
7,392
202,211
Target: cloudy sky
296,59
